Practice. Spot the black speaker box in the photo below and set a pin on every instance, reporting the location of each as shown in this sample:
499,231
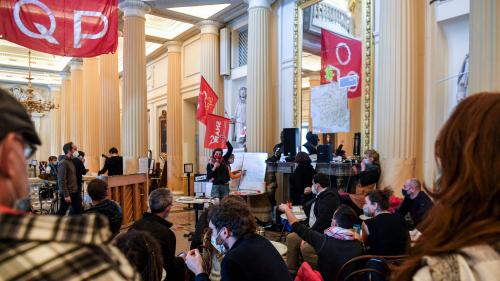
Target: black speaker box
290,141
325,153
357,144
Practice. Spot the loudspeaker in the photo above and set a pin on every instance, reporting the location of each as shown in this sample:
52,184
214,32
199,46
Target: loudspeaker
325,153
357,145
290,141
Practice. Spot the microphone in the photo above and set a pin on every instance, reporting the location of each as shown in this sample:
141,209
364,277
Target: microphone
104,156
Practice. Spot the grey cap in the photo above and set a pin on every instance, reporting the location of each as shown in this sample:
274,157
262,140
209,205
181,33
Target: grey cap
14,118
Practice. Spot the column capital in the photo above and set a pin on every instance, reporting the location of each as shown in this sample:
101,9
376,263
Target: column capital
264,4
76,64
209,26
134,8
173,46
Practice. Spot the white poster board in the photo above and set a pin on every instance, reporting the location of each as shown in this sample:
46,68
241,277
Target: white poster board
329,111
254,165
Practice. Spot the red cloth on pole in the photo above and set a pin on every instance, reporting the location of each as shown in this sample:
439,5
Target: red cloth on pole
217,131
61,27
207,99
340,56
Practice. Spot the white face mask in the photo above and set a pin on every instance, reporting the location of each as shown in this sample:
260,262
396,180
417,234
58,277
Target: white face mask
366,161
75,154
314,189
219,247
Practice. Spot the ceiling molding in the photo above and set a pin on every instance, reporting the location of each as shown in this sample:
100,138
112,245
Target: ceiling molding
154,39
193,31
231,13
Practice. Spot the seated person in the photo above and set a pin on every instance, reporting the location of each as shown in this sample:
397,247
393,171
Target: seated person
113,164
416,203
312,143
384,233
97,190
370,168
319,211
248,256
337,245
155,223
143,252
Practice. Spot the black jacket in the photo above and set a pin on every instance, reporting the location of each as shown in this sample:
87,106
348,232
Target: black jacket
112,211
301,178
252,259
332,253
370,175
113,165
327,202
417,208
221,174
160,230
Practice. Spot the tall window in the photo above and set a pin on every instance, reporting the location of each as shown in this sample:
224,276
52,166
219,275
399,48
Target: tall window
242,47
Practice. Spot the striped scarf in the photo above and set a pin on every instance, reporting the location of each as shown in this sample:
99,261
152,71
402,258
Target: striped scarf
342,233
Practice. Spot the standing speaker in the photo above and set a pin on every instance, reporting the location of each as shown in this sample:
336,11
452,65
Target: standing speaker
290,141
325,153
357,145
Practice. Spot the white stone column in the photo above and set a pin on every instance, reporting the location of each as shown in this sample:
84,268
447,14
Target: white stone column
134,110
91,109
109,113
55,119
484,67
65,111
76,103
400,84
174,117
259,99
209,68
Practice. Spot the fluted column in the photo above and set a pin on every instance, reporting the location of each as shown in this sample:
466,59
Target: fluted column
484,45
109,115
209,68
259,99
65,111
76,103
134,109
174,116
91,108
398,89
55,119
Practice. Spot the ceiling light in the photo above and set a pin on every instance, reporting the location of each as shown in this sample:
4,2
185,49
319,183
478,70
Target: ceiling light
203,11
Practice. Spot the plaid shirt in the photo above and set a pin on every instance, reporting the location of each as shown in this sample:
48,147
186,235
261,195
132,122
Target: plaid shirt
59,248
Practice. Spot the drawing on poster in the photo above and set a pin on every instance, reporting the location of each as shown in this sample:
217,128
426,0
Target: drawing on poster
254,165
329,111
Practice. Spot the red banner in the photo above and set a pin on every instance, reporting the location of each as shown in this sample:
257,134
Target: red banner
341,58
61,27
217,131
207,99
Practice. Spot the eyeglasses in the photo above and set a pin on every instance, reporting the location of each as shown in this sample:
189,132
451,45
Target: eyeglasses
29,148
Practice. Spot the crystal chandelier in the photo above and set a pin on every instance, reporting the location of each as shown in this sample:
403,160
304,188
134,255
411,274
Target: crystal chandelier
30,103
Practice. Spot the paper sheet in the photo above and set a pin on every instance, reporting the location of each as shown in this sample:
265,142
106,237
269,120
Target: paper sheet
329,111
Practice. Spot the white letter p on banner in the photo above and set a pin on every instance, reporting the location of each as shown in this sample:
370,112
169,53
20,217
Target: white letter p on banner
78,35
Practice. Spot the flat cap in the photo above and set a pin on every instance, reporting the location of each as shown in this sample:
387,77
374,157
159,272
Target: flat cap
14,118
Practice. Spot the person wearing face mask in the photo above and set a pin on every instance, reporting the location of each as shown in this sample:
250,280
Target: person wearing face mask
319,211
218,173
383,233
52,168
336,245
80,169
416,203
45,247
156,224
67,182
248,256
370,169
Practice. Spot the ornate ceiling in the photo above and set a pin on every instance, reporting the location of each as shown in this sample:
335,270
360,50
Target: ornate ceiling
168,20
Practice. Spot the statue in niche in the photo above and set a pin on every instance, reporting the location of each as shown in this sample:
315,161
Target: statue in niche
240,117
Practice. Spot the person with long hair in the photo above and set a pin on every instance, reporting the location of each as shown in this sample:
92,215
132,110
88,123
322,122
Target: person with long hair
461,233
142,251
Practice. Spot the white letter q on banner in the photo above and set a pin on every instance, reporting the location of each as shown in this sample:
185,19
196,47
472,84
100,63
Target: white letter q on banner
44,32
78,35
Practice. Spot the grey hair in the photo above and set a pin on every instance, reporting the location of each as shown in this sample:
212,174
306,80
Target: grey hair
415,183
159,200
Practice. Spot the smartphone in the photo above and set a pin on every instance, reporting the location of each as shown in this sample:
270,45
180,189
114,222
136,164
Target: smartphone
182,255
